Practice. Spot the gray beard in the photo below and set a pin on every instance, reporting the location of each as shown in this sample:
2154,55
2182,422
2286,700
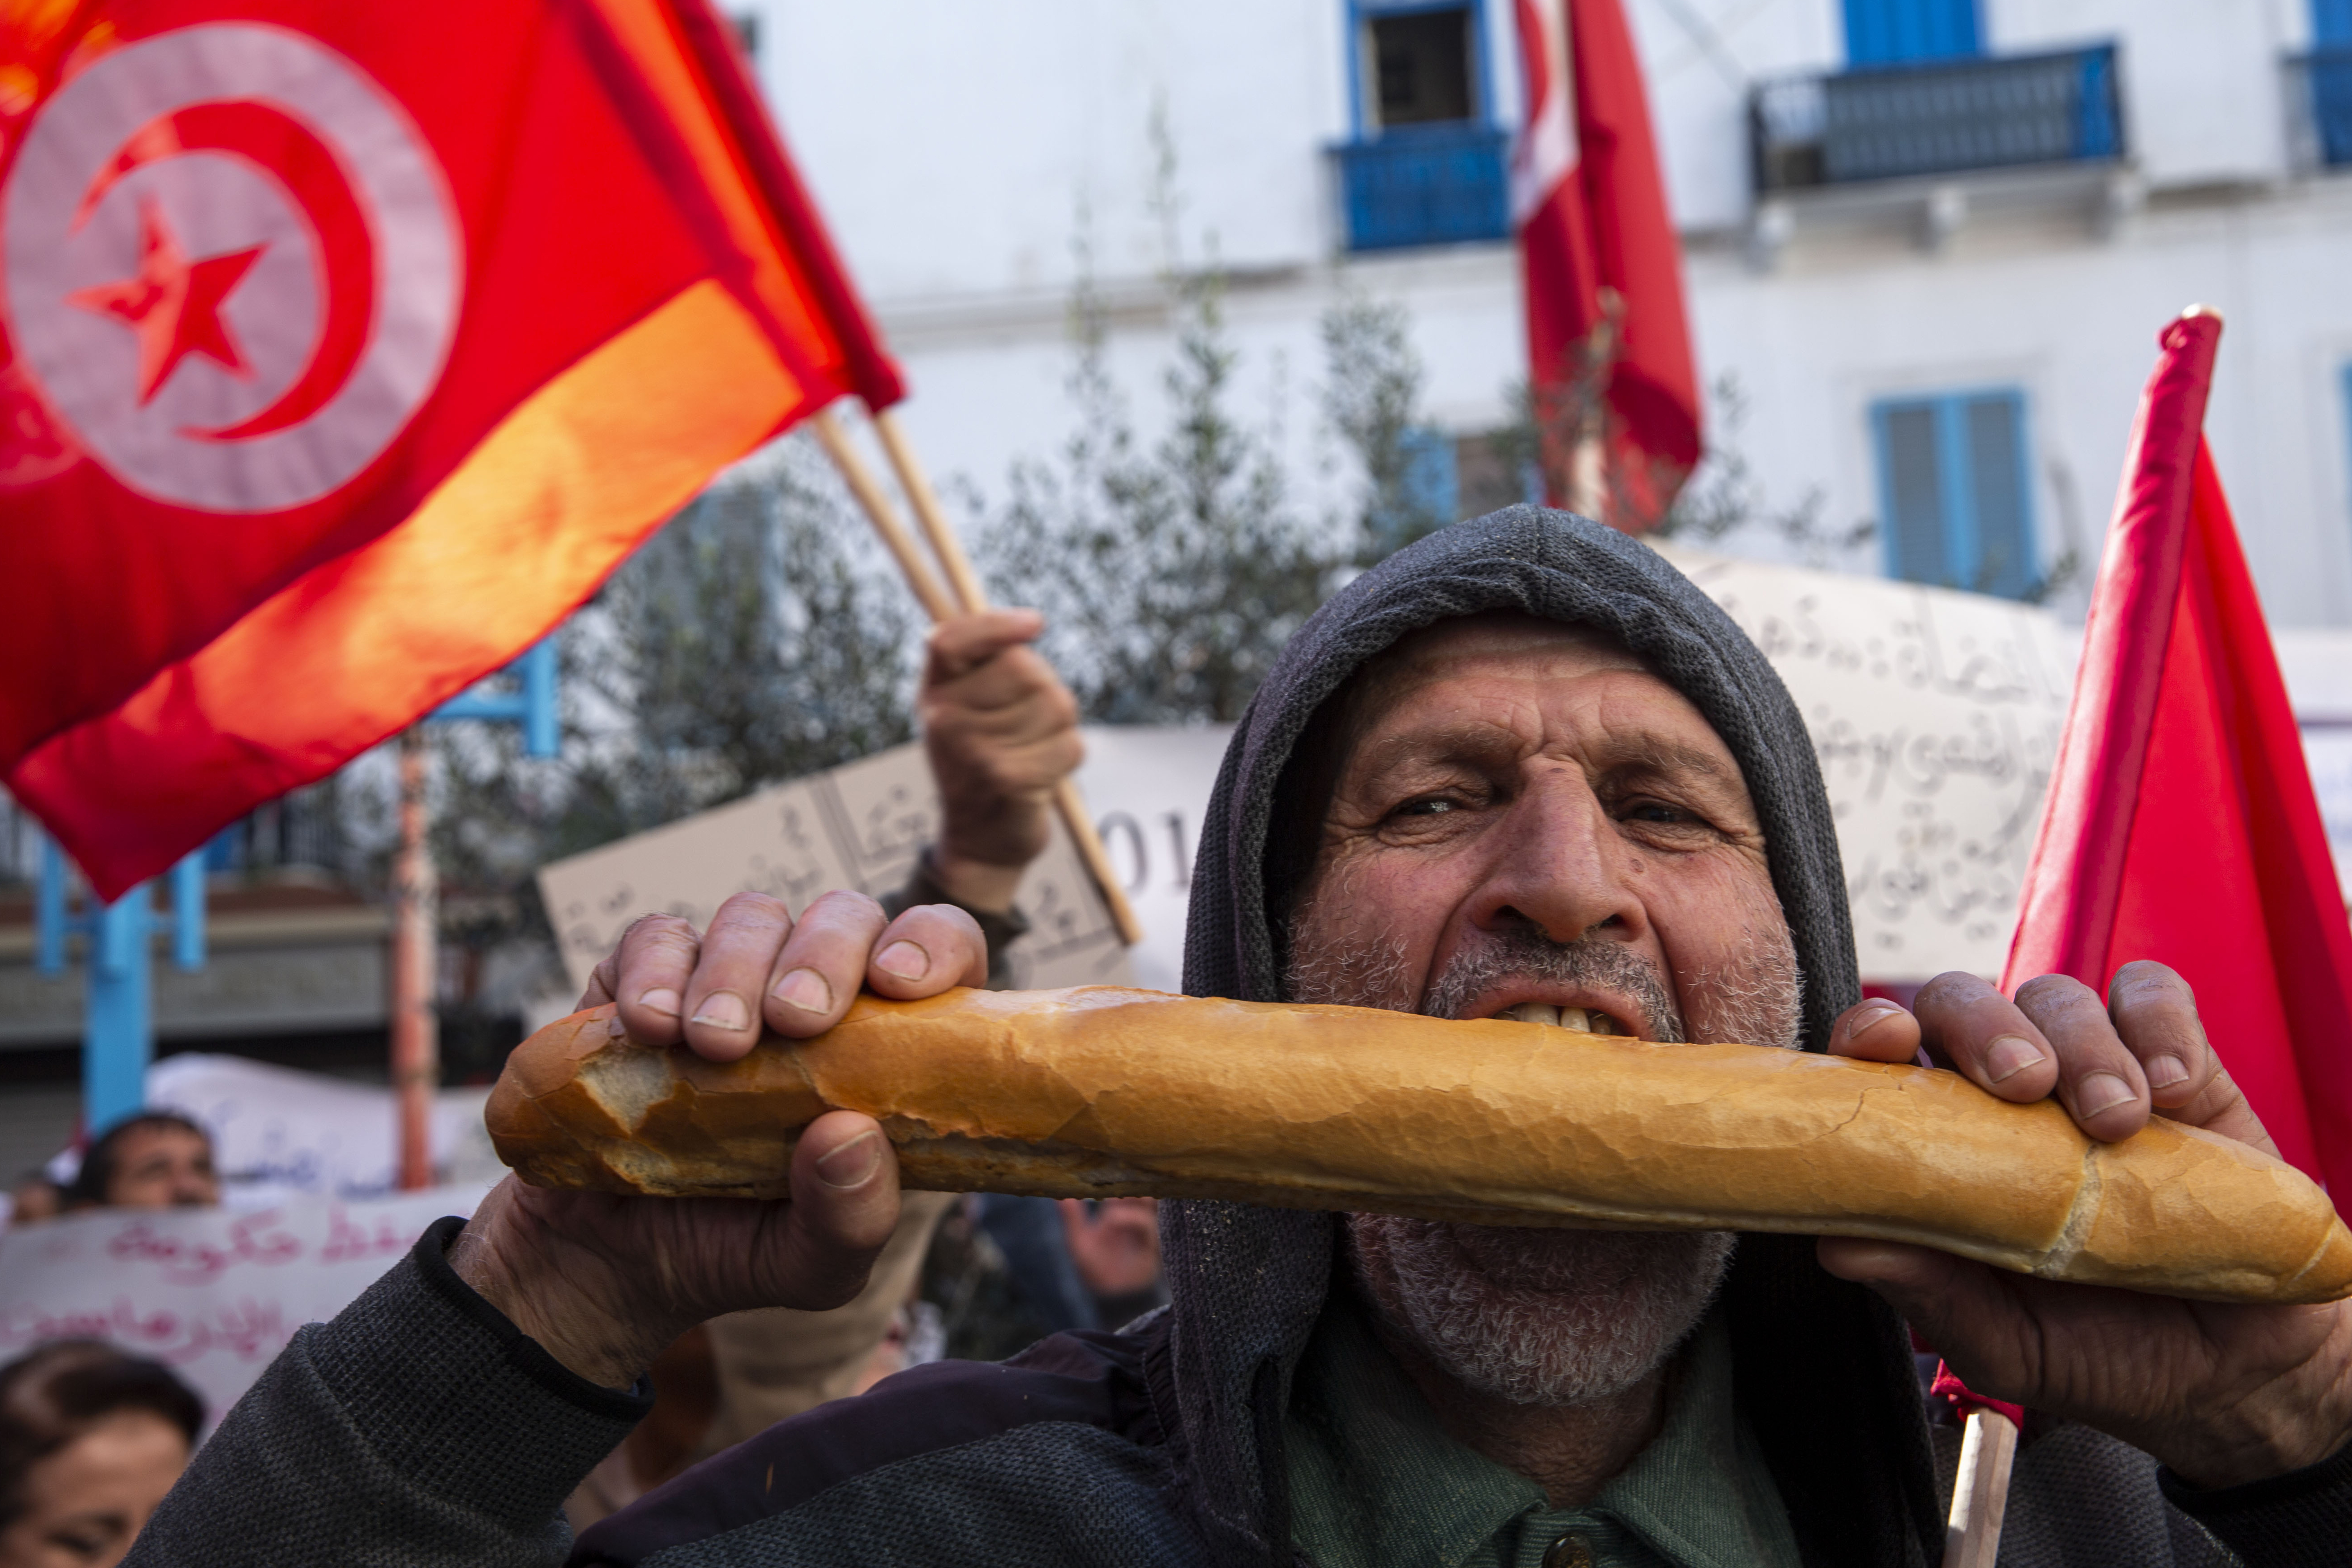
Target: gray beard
1538,1317
1550,1316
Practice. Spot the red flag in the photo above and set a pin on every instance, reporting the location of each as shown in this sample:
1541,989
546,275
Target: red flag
348,348
1600,258
2181,825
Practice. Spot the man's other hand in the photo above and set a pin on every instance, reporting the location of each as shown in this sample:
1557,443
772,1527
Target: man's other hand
1002,731
2222,1393
604,1283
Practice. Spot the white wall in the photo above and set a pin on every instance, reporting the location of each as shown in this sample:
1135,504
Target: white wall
954,148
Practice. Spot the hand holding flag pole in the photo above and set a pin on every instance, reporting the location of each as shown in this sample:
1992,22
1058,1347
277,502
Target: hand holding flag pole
961,596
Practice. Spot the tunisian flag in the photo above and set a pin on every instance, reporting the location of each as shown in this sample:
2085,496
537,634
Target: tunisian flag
346,349
1600,258
2181,825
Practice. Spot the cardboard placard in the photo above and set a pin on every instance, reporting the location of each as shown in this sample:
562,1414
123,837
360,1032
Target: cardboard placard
857,827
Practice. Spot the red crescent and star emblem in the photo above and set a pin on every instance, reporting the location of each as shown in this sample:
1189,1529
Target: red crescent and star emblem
232,270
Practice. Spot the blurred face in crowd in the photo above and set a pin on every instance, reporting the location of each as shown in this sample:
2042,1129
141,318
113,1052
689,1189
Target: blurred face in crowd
86,1502
161,1167
1524,819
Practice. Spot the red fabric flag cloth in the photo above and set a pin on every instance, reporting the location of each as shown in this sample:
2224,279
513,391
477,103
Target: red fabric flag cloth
2181,825
347,349
1596,242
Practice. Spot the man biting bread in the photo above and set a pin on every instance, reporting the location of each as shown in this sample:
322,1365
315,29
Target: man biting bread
1520,767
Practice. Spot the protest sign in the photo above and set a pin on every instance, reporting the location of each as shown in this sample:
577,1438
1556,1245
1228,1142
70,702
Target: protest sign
213,1294
857,827
278,1133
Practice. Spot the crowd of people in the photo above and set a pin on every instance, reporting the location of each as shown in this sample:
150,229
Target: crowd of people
90,1437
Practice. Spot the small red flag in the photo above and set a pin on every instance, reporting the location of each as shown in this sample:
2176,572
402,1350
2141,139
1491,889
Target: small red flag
1600,255
346,349
2181,825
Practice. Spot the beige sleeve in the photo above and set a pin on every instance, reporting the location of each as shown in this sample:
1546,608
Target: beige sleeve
775,1362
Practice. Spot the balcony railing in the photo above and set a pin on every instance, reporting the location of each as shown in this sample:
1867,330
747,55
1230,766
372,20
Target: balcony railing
1943,118
1423,184
2320,90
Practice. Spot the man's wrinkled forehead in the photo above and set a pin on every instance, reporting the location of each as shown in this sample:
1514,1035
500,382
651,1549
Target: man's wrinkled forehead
1439,651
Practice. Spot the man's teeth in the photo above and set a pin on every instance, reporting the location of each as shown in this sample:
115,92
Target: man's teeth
1588,1021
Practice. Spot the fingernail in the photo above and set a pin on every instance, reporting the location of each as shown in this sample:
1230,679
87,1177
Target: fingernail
903,961
724,1010
2166,1071
2010,1056
2102,1091
852,1162
661,1000
804,989
1876,1016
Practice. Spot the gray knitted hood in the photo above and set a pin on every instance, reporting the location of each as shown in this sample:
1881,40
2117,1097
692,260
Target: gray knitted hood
1248,1283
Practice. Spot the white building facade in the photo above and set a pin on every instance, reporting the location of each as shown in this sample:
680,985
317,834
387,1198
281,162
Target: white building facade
1931,240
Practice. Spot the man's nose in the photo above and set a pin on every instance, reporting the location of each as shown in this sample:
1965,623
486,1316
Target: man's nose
1559,864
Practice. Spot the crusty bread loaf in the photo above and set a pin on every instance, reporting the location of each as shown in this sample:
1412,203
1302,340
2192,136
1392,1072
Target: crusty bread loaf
1100,1091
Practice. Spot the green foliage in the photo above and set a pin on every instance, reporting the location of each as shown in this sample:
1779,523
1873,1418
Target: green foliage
751,640
1171,571
1371,395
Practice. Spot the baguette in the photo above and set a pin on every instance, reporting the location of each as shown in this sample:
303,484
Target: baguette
1102,1091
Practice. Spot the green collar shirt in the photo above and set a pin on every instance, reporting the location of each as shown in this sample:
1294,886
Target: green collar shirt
1376,1483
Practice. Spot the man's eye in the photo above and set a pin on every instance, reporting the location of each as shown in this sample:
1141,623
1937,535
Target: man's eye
1425,805
1658,811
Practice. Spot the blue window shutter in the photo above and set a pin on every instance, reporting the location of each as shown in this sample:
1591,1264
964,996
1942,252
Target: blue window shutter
2331,22
1433,474
2347,408
1999,495
1955,493
1890,32
1911,486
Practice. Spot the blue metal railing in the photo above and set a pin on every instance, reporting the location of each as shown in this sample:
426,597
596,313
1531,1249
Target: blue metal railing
2323,96
1939,118
1424,185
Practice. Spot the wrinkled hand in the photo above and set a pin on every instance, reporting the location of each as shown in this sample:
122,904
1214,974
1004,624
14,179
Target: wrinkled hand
604,1283
1115,1248
2221,1393
1001,731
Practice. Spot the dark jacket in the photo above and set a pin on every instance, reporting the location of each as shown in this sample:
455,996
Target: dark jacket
420,1427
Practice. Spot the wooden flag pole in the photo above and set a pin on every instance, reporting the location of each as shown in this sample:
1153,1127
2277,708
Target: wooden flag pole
876,506
962,580
1981,1491
965,595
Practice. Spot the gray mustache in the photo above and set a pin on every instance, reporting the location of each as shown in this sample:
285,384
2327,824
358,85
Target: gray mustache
1529,955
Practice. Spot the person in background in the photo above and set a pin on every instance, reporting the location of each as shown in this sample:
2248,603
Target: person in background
91,1439
1000,731
1114,1245
155,1160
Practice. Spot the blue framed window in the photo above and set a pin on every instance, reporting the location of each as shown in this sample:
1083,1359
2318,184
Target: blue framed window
1425,163
1432,487
1895,32
2347,408
2326,73
1417,62
1955,491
